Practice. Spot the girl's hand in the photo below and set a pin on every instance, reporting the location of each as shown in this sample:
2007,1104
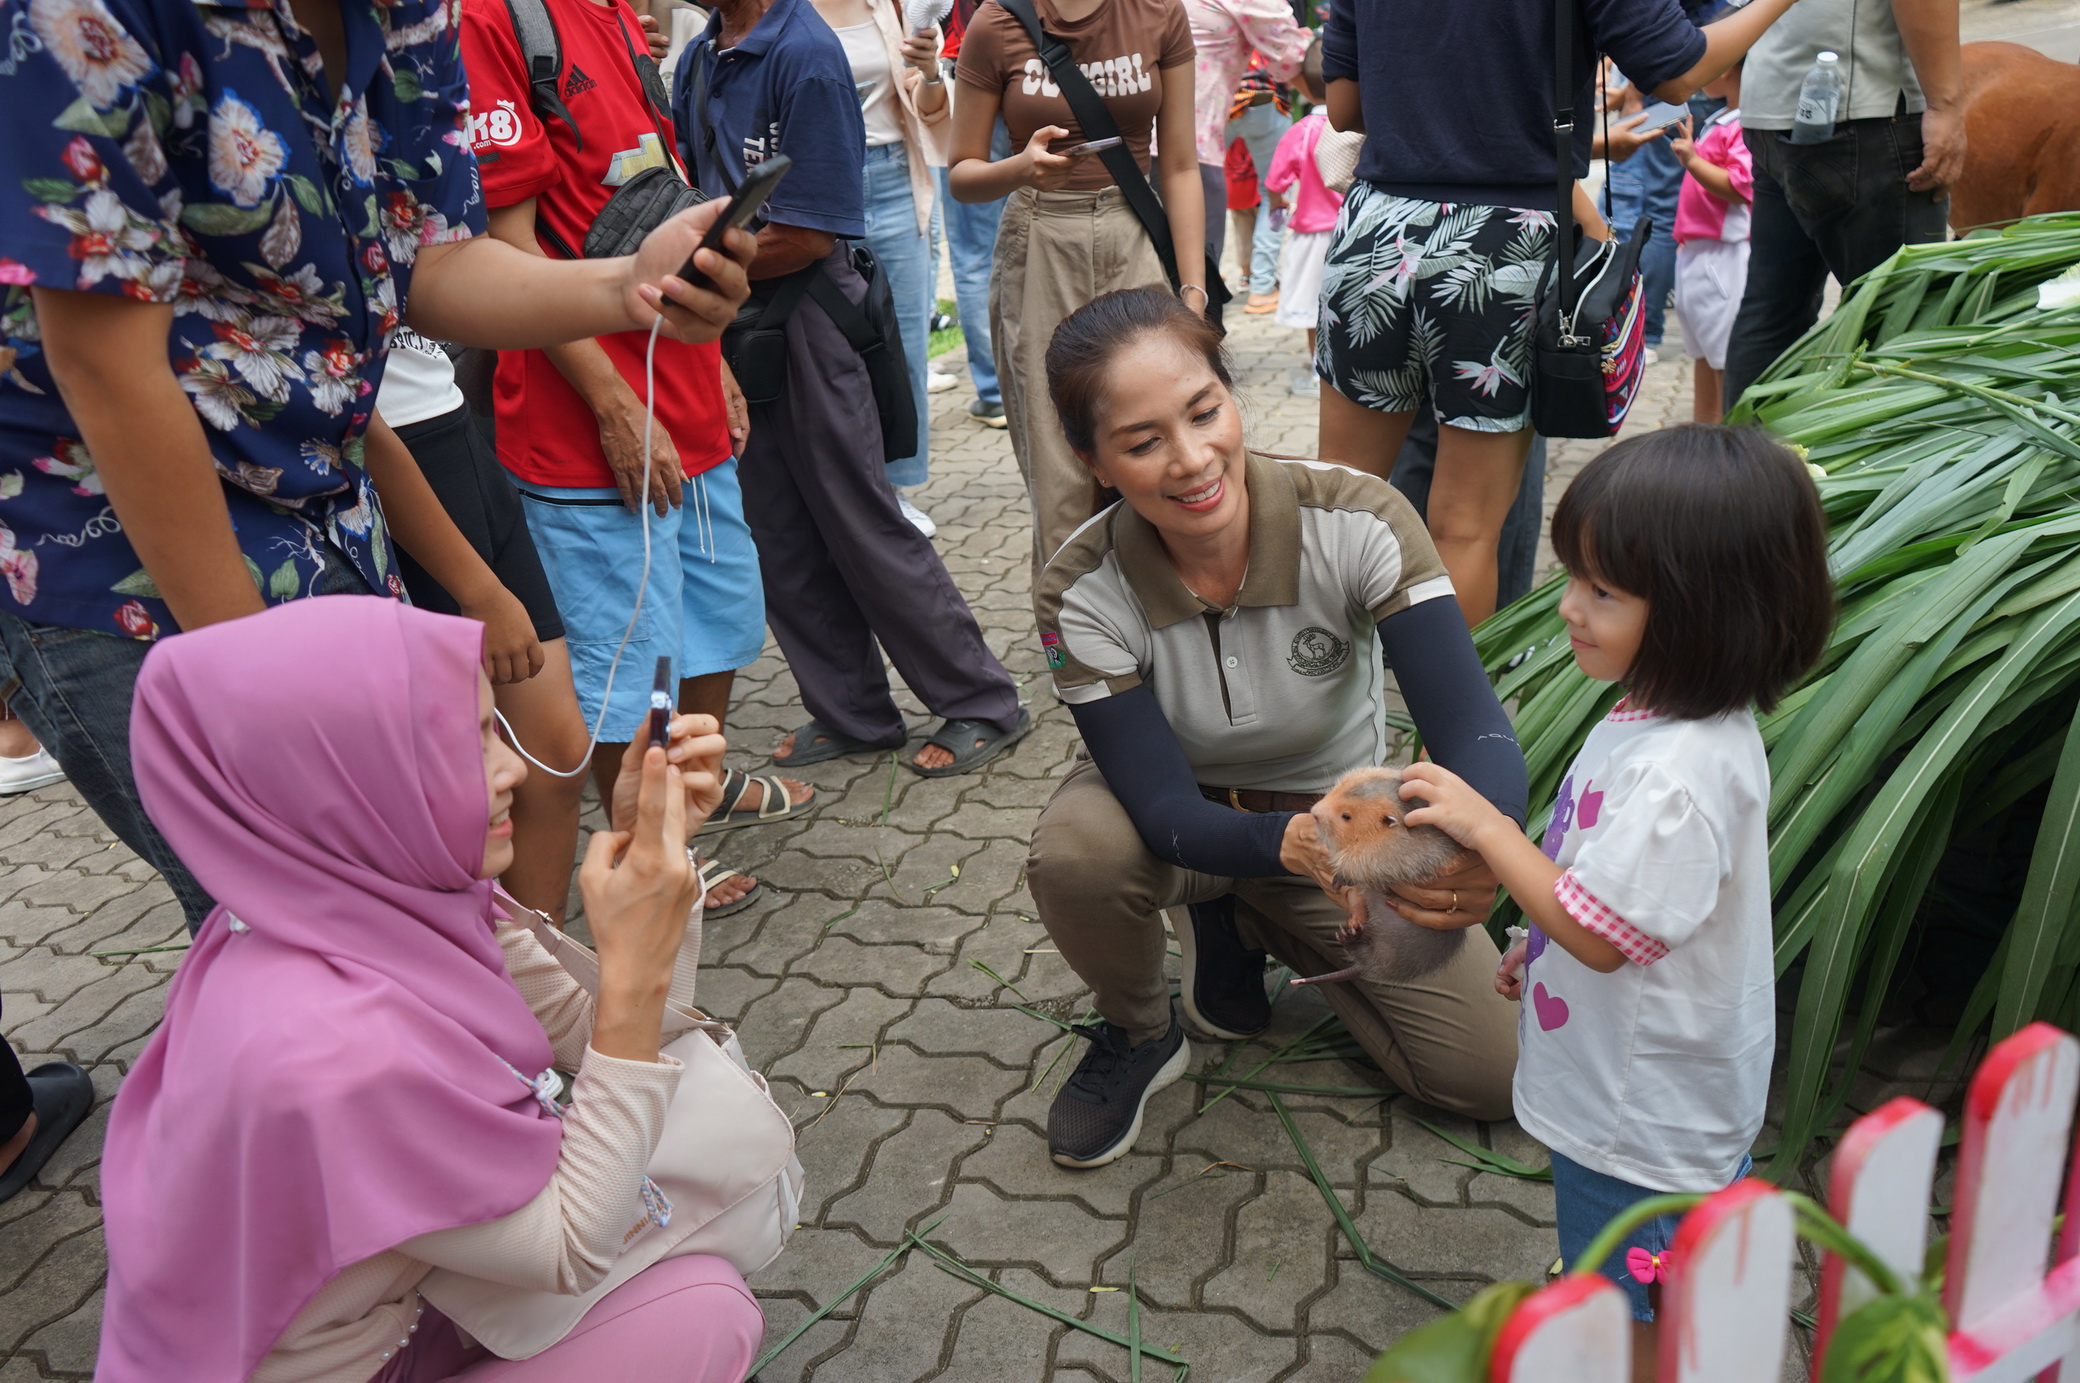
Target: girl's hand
1680,144
1045,171
1454,807
639,887
694,749
511,651
1509,974
921,50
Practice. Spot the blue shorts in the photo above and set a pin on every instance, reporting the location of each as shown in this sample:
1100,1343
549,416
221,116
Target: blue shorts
1587,1200
705,607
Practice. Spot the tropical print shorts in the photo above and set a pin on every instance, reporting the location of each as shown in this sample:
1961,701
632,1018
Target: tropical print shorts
1433,302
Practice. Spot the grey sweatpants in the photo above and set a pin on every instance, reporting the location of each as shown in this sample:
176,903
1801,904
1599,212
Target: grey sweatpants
842,566
1448,1038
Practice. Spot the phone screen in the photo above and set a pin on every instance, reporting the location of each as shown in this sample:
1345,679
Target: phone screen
1660,115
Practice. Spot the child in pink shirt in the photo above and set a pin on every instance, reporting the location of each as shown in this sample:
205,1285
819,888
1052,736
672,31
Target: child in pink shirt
1712,241
1315,209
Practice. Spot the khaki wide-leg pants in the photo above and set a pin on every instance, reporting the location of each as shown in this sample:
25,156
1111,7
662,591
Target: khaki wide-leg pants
1055,252
1448,1039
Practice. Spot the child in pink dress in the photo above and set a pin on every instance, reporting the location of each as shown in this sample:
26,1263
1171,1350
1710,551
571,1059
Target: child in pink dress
1712,241
1315,209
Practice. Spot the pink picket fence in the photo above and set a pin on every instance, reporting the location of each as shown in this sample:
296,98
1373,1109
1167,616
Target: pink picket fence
2012,1293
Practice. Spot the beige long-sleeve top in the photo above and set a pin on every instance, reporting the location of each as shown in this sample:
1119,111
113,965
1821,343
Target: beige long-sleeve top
564,1240
929,137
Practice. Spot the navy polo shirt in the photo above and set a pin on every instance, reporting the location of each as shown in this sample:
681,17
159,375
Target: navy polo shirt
786,88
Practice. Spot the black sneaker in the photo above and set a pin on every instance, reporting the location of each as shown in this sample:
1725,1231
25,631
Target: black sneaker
1223,983
1097,1116
988,414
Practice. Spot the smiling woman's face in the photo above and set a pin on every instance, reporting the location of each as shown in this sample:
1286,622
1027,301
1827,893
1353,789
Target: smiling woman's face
1169,438
503,771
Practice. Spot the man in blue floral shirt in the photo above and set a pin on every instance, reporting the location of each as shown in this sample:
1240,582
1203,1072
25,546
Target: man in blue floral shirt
211,214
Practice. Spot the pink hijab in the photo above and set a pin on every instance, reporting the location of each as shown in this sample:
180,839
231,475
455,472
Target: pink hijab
333,1081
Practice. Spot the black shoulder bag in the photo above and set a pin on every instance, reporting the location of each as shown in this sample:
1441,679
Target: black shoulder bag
1587,348
1096,121
756,342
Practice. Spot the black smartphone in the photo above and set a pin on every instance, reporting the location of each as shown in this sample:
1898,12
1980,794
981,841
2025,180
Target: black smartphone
661,704
750,197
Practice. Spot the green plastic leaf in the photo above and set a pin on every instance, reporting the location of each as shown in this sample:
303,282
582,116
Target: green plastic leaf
1455,1349
138,583
221,218
51,189
1890,1339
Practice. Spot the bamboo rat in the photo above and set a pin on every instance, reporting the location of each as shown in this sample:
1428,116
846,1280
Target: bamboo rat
1360,822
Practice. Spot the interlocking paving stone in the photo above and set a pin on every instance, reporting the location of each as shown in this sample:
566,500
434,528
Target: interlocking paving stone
933,1111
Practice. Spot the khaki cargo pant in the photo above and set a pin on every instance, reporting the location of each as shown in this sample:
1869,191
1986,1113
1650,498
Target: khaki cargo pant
1055,252
1448,1039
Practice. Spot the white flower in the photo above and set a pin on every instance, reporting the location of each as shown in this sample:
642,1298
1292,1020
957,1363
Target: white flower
220,399
244,155
299,294
322,457
258,348
92,46
335,379
19,567
106,237
360,138
357,520
72,463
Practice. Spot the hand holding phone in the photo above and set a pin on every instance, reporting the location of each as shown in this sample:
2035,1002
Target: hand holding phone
750,199
1092,146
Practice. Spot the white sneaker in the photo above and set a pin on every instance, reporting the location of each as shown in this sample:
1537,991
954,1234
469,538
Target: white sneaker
38,770
1651,355
1305,385
917,516
936,383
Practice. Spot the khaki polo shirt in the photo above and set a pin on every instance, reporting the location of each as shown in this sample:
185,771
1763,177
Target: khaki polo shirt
1282,691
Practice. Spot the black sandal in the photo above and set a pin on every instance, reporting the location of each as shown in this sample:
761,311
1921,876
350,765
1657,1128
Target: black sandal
972,743
817,743
774,804
64,1096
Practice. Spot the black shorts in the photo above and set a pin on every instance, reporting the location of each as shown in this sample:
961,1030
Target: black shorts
465,475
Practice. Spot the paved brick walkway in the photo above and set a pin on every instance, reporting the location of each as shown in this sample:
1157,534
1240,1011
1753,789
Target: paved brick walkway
866,983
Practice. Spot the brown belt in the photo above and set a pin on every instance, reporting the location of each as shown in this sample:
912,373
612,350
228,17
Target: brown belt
1259,800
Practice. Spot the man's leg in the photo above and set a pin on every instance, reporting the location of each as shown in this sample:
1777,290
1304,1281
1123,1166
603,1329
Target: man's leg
971,241
1861,214
1661,180
893,581
1786,274
1448,1038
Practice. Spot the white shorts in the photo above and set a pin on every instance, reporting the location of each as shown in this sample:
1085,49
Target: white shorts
1300,279
1711,275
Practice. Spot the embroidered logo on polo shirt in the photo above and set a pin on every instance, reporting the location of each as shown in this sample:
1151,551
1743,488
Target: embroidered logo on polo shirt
1316,652
577,83
1051,644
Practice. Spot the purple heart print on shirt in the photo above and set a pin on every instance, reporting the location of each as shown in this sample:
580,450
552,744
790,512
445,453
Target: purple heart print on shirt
1552,1009
1563,818
1591,805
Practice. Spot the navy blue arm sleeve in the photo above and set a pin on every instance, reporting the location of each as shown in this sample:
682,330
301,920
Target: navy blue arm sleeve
1131,742
1452,703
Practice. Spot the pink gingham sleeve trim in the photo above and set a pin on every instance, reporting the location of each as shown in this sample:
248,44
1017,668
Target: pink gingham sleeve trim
1595,915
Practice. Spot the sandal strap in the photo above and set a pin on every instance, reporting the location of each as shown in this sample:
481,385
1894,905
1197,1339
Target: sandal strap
965,730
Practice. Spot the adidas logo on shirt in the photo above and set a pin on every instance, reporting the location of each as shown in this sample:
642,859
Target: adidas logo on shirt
577,83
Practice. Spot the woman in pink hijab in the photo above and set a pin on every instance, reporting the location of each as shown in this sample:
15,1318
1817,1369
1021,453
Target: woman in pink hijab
343,1093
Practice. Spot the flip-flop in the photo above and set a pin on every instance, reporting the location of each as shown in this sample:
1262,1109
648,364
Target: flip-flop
712,874
958,738
817,743
773,804
64,1096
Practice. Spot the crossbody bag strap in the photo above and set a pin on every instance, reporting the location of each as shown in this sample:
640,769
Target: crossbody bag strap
1563,158
1096,120
846,315
701,61
652,83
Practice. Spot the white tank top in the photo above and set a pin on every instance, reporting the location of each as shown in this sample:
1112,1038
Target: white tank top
875,78
418,382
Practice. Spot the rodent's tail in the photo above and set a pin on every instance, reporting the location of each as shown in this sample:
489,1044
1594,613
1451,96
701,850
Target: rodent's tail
1331,978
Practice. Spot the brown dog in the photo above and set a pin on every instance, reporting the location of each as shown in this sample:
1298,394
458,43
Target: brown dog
2022,135
1372,848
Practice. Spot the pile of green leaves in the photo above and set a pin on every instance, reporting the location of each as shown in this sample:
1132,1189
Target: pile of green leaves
1944,408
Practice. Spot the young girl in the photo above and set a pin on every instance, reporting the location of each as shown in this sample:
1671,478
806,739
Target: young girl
1712,241
1315,209
1698,566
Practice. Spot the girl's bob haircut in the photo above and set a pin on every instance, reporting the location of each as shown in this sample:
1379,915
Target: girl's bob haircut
1719,530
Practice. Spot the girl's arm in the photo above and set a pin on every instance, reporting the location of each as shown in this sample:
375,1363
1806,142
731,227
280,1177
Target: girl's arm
1467,817
422,528
1710,176
1177,182
972,177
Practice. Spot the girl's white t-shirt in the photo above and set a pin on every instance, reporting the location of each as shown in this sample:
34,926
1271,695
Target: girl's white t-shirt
1656,1073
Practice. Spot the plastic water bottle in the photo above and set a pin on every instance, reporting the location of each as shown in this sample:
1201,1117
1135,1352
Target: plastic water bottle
1819,102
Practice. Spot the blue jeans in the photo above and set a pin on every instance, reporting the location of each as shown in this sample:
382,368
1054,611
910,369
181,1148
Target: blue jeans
905,253
1647,184
73,687
1260,128
971,243
1586,1200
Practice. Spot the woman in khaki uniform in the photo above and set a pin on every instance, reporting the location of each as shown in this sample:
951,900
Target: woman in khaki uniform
1218,635
1068,234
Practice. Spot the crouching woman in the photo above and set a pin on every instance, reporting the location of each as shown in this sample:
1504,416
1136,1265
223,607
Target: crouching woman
343,1095
1217,634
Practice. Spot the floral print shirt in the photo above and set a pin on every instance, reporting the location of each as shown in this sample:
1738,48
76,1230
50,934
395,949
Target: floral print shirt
189,152
1226,35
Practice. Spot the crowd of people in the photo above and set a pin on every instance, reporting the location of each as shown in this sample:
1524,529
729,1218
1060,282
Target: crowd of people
432,306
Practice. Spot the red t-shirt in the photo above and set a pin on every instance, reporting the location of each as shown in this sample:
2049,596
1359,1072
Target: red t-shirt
546,431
